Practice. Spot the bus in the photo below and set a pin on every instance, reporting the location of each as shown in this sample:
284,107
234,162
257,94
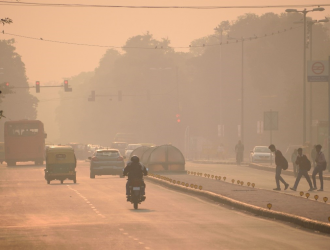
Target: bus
24,141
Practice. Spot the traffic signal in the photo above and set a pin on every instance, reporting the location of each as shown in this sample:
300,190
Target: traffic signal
178,120
7,85
119,95
37,87
92,96
66,86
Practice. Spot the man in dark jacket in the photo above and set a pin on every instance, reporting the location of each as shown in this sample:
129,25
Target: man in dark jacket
304,167
278,161
134,170
320,166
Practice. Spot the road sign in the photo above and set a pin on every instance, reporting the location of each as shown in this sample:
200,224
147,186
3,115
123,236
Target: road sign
318,71
271,120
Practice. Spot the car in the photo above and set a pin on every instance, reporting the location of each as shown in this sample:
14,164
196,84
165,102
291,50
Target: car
106,162
130,149
261,154
121,146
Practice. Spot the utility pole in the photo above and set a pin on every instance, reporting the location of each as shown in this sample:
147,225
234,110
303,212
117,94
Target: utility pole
242,93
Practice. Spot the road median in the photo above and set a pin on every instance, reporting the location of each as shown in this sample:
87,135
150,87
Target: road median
298,210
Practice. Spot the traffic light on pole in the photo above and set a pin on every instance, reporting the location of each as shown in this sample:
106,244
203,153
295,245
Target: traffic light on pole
178,119
66,86
119,95
92,96
37,87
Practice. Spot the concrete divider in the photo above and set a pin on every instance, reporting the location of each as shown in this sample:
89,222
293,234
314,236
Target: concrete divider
298,220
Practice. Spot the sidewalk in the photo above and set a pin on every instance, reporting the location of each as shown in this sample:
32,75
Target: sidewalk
281,202
326,173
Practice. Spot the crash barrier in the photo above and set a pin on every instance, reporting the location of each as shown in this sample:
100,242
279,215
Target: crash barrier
162,158
182,186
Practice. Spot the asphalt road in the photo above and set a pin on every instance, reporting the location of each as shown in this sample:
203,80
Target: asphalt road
93,214
262,179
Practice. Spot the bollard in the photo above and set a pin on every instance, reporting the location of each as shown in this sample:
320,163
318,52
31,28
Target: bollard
188,172
238,181
195,186
224,178
174,181
248,184
187,184
200,187
178,182
219,178
208,176
301,193
269,205
316,197
212,176
325,199
307,195
253,185
232,181
242,183
192,185
216,177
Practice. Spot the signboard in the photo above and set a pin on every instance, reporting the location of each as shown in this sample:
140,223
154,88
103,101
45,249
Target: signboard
270,120
318,71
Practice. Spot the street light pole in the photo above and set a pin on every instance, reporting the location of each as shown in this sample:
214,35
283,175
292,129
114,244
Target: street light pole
304,79
242,93
304,12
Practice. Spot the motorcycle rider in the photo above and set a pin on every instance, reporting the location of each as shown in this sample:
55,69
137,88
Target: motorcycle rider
135,170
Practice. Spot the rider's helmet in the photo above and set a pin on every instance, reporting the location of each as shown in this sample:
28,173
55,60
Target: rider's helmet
135,159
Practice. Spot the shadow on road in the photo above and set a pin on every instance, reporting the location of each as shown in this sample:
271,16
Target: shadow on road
141,210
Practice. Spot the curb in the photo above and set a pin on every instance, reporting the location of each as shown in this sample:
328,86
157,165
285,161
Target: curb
301,221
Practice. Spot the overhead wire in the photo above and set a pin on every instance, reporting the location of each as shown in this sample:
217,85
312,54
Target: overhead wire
34,4
254,37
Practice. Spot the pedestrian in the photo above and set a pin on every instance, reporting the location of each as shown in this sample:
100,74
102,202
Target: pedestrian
321,165
293,160
313,155
281,163
304,166
239,149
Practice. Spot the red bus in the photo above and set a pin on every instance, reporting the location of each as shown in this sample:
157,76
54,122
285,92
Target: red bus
24,141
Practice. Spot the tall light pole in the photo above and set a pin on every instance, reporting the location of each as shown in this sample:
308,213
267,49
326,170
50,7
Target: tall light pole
242,85
304,12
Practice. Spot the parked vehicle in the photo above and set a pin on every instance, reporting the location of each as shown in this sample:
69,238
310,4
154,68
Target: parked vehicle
61,163
24,141
106,162
261,154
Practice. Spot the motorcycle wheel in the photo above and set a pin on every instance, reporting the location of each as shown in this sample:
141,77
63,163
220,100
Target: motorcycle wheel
136,205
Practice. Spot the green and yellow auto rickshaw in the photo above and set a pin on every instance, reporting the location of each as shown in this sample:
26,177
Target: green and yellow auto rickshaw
60,164
2,152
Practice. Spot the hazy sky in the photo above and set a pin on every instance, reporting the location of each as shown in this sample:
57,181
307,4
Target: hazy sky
51,62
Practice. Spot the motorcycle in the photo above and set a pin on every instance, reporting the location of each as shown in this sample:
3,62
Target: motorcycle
136,186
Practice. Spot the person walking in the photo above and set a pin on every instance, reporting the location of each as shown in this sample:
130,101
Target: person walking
304,166
321,165
239,149
293,160
313,156
281,163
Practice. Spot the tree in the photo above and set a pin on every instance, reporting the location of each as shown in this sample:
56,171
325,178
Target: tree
16,103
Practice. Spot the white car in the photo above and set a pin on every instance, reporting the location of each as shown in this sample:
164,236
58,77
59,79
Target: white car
130,149
261,154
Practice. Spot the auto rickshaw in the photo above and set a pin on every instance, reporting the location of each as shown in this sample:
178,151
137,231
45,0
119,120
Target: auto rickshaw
2,152
61,163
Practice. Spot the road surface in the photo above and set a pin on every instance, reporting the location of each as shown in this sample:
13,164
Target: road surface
93,214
